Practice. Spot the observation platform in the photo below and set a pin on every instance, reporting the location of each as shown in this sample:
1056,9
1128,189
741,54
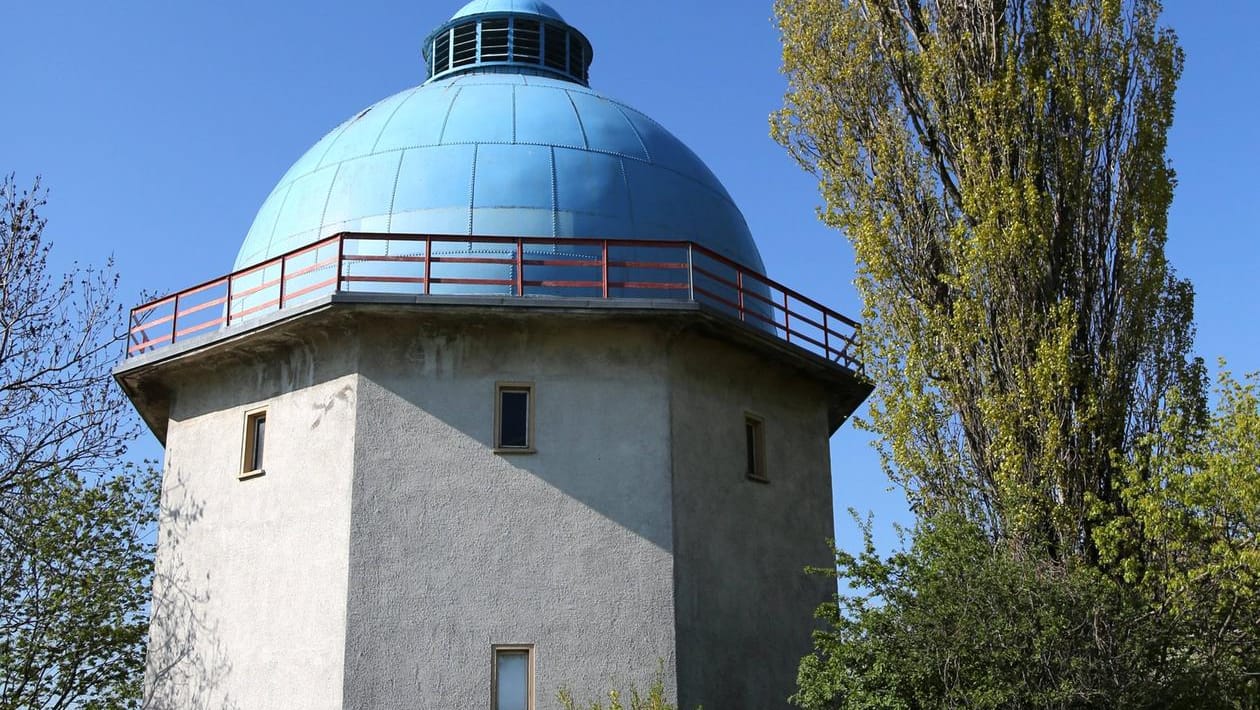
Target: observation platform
505,275
528,267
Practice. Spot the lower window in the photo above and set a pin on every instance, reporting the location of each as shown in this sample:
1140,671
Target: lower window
512,685
755,447
255,439
514,417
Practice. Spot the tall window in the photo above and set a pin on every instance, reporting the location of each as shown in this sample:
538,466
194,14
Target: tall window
512,684
514,417
755,447
255,442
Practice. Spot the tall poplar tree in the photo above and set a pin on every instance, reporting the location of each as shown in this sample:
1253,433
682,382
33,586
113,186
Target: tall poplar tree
999,168
1087,533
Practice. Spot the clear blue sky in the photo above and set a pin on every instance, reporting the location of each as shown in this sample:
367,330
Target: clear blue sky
160,127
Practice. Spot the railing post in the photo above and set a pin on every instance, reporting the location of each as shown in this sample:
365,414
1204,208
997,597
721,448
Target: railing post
856,342
227,317
605,268
826,337
132,340
691,271
280,300
341,260
739,291
428,261
520,267
787,318
175,319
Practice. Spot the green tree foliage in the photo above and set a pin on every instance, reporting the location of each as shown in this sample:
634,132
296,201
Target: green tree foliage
1086,531
1191,542
999,168
76,571
75,521
959,622
1171,619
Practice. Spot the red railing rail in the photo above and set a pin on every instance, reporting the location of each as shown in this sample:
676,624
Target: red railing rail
518,266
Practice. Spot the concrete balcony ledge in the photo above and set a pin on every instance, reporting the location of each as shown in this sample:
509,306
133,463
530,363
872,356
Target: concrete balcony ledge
147,378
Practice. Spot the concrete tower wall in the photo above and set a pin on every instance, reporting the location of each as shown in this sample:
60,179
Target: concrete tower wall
388,548
250,584
455,548
744,603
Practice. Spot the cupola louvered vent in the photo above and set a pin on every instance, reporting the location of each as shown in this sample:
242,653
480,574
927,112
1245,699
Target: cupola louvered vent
508,42
494,40
463,45
556,48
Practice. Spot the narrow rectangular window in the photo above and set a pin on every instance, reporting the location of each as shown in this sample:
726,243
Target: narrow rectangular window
755,447
514,417
512,686
255,441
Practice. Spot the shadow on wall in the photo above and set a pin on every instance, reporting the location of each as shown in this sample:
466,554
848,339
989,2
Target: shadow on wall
186,663
435,385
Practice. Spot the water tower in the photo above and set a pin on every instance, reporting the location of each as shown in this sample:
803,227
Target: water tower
497,399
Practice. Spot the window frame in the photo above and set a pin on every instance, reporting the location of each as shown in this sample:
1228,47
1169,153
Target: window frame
499,648
755,460
251,461
514,386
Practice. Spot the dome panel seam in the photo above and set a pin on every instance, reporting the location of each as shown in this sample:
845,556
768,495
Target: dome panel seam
555,197
417,146
341,130
721,194
625,180
472,189
271,236
390,119
535,208
393,194
447,118
567,86
621,112
586,140
522,80
328,198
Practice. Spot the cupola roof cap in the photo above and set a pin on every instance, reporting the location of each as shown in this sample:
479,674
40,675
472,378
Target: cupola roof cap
514,7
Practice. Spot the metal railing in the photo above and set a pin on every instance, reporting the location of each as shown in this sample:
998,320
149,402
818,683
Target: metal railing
505,266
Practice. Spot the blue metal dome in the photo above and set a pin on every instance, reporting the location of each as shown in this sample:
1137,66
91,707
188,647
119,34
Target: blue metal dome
502,150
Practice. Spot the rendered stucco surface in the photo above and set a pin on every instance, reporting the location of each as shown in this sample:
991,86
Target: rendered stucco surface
744,603
388,548
454,548
250,585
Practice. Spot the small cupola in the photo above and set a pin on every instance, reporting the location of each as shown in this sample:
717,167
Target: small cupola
511,36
